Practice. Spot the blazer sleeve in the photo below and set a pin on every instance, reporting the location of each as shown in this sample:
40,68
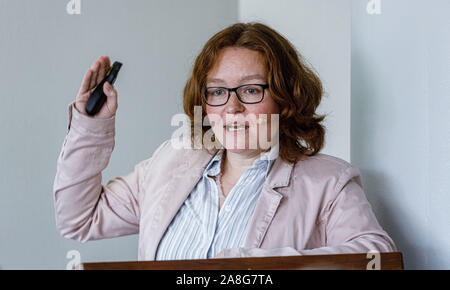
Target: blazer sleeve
348,221
84,208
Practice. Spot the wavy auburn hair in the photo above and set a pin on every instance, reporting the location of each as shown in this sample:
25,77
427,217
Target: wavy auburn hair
292,84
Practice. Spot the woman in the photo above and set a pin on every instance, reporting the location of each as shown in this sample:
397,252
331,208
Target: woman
234,200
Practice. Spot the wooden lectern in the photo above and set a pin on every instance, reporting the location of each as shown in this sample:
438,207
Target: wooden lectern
387,261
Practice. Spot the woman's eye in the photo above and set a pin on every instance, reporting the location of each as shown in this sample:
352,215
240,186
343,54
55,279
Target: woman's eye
251,91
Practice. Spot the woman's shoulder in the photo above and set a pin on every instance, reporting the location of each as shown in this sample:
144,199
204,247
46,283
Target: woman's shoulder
323,160
325,167
321,177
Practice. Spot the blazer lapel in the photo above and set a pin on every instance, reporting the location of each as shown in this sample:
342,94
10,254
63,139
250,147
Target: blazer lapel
268,202
184,179
187,175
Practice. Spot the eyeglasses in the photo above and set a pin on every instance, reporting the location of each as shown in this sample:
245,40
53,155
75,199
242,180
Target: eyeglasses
247,94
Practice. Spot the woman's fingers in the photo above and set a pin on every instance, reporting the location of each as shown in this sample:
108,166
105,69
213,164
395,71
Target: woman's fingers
94,68
86,82
107,62
101,72
93,76
103,68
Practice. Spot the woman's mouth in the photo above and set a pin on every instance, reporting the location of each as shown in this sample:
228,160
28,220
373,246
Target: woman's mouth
233,127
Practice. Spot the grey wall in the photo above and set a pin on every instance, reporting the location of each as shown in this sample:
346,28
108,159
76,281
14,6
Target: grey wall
400,136
320,30
44,53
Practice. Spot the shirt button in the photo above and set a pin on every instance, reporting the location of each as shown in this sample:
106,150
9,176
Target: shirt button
227,208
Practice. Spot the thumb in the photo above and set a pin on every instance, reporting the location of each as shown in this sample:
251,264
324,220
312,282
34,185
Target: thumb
109,91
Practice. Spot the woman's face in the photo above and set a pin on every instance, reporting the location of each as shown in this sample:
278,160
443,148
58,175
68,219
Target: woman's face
236,67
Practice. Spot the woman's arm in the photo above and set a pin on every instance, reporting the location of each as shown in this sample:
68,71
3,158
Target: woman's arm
84,208
348,222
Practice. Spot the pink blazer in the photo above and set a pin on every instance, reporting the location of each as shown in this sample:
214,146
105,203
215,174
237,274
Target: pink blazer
316,206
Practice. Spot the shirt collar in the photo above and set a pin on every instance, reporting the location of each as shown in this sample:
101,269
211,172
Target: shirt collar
213,168
267,159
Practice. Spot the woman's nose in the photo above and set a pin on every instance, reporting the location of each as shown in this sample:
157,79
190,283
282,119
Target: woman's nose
233,105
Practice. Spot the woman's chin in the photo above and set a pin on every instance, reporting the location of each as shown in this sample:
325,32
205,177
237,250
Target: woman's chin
236,146
235,150
240,149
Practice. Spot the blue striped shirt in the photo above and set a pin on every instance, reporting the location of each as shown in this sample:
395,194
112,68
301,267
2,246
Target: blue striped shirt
199,230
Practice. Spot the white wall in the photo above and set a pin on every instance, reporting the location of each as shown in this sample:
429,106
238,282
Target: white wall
399,133
401,123
320,30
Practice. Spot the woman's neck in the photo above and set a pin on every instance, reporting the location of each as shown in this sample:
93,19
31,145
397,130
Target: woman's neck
235,164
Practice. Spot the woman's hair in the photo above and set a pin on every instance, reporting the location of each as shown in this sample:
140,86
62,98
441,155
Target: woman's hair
292,84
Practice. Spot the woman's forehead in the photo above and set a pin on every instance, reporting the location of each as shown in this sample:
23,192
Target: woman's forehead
237,64
238,55
245,78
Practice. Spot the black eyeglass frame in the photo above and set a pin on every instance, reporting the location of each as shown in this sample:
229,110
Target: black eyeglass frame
229,90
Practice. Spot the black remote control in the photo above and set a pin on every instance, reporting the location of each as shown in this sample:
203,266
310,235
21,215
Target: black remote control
98,97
